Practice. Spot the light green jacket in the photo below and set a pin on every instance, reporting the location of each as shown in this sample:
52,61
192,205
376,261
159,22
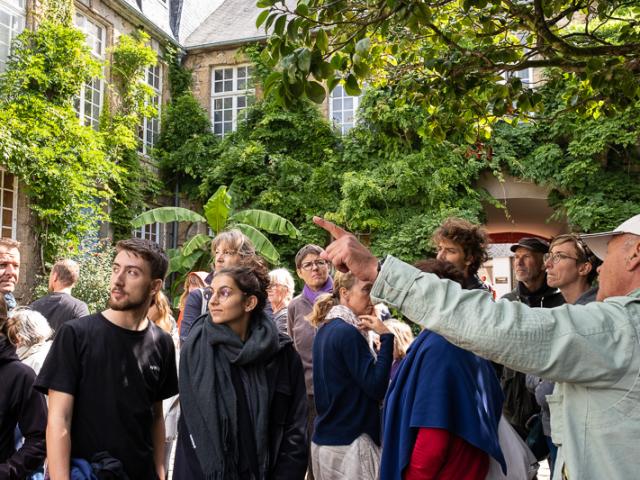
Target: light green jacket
592,352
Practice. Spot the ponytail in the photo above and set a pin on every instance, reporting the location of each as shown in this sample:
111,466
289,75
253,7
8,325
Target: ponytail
327,301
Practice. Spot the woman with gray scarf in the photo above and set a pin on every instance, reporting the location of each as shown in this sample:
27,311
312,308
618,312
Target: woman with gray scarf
242,390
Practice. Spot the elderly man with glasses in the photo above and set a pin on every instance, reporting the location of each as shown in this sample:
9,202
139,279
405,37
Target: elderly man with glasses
314,272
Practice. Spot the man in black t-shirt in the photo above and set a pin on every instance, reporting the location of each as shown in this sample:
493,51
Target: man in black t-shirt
107,374
59,306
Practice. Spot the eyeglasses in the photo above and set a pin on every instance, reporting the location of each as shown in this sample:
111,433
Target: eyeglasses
225,253
223,294
556,257
317,263
274,285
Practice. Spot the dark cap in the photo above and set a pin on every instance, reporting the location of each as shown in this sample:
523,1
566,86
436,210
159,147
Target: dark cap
532,243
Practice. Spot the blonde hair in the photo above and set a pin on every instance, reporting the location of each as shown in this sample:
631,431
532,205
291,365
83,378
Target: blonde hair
329,300
192,279
26,327
236,240
165,319
404,337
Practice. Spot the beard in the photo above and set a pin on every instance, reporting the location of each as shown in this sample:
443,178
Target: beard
130,302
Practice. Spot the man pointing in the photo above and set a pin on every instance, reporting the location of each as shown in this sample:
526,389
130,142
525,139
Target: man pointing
591,351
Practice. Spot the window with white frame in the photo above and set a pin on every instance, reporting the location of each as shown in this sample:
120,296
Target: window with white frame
8,204
342,109
153,232
149,131
232,91
89,103
12,17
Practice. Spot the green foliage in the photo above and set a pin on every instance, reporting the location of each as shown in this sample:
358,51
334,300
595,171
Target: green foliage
61,163
186,144
219,216
129,95
591,165
95,275
450,57
180,80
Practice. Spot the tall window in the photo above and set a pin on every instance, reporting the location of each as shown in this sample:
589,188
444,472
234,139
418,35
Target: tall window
12,15
232,91
342,109
153,232
8,204
89,103
150,129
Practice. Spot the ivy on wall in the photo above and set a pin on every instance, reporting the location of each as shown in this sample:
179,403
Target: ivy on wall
71,172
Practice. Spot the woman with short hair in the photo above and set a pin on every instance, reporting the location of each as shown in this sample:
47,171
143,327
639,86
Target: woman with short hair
280,291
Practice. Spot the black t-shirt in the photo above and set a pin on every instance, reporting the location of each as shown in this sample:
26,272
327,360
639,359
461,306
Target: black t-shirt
59,307
115,376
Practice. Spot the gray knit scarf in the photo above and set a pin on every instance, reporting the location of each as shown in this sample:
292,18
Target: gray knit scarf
208,398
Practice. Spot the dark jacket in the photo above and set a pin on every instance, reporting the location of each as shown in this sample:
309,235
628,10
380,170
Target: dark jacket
545,296
21,406
288,455
519,403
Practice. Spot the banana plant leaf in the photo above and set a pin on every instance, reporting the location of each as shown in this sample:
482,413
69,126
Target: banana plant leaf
167,215
217,209
267,221
195,243
263,246
185,263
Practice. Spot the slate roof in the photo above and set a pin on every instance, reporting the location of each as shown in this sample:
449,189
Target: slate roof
234,21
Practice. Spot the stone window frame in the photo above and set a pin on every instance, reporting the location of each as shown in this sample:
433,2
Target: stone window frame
92,93
153,231
16,12
149,130
8,214
227,104
339,97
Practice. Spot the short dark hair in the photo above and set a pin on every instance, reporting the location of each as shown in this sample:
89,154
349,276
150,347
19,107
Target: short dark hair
149,251
472,238
309,248
67,272
441,268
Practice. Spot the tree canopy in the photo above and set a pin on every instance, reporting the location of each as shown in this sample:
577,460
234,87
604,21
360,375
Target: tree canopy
457,58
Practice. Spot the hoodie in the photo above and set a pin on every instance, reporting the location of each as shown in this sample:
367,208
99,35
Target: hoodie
20,406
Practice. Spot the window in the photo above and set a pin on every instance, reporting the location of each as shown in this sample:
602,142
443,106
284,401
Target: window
8,204
232,92
342,109
89,103
150,129
12,15
153,232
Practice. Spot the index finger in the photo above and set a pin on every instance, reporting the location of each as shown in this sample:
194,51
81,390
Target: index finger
335,231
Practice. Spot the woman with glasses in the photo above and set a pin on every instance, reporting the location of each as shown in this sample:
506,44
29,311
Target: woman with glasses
349,382
229,249
571,268
280,292
241,388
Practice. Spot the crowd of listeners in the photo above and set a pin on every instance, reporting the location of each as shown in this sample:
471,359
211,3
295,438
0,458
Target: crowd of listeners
326,384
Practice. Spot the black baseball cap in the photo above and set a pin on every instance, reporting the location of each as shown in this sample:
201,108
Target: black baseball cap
534,244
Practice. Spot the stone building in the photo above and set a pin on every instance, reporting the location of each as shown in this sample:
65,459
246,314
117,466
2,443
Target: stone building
209,33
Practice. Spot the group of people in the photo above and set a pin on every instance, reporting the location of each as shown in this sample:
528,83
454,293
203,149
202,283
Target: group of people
323,384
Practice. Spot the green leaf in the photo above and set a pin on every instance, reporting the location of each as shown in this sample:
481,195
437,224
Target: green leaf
263,246
302,9
304,60
322,40
363,45
261,18
217,209
167,215
195,243
185,263
267,221
278,28
315,91
351,85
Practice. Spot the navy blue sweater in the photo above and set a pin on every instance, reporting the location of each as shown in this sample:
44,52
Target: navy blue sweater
349,383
